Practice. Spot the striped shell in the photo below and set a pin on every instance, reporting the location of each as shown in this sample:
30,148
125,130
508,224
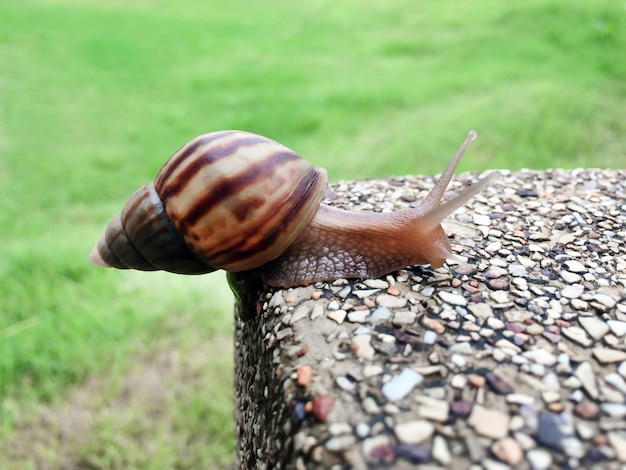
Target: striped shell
226,200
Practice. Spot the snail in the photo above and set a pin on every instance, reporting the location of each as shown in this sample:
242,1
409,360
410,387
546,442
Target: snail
238,201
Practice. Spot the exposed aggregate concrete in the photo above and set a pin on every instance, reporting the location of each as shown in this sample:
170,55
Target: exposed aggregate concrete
515,358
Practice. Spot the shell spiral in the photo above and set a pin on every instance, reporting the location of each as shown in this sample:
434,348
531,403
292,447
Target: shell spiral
225,200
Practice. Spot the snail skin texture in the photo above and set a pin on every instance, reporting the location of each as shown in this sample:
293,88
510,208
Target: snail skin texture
241,202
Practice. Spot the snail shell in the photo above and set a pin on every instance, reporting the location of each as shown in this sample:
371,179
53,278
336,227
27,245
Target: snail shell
226,200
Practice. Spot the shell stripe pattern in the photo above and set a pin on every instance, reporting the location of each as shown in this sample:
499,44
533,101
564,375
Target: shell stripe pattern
231,195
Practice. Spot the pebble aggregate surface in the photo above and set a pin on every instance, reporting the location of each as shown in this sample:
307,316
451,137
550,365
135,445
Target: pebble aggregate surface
514,357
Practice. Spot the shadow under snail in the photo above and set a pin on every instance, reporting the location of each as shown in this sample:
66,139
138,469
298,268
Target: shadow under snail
238,201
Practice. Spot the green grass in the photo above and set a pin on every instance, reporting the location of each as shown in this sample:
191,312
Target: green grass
96,95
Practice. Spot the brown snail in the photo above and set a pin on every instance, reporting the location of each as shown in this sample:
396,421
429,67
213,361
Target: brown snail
238,201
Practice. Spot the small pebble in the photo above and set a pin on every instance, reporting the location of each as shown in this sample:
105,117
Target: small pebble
433,408
618,328
413,453
358,316
497,385
489,423
362,346
372,370
584,373
480,219
616,410
587,409
609,356
381,313
605,300
405,317
378,450
433,324
414,432
376,283
461,408
461,348
345,383
549,431
452,298
517,270
540,356
616,381
440,451
299,314
458,381
508,450
569,277
575,266
458,360
539,459
337,315
577,335
304,375
339,443
400,385
618,442
322,406
430,337
499,284
572,291
393,291
389,301
594,326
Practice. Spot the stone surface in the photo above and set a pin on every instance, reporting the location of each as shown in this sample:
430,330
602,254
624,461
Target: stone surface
515,359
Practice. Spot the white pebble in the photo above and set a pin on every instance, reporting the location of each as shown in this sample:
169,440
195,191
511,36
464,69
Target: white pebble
570,278
277,299
300,313
358,316
400,385
427,291
345,384
404,318
376,283
572,291
539,459
540,356
372,370
616,410
362,346
362,430
433,408
440,450
618,328
318,311
594,326
381,313
480,219
414,432
430,337
390,301
461,348
575,266
605,300
452,298
517,270
458,360
337,315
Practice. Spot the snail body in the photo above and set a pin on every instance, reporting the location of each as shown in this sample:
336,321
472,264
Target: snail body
241,202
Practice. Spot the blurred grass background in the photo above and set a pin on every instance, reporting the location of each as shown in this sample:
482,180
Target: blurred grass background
95,96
